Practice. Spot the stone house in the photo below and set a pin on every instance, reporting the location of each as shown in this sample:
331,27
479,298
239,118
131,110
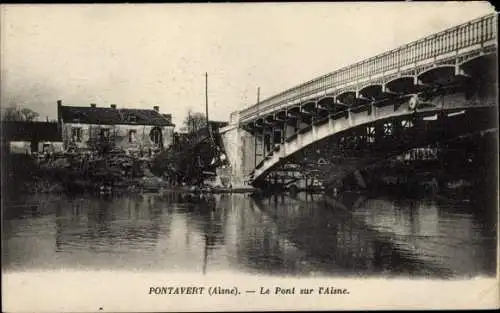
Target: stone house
132,130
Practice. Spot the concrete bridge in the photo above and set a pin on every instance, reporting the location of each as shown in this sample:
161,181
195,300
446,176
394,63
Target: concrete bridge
432,89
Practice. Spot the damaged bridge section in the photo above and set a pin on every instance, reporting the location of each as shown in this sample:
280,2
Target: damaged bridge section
193,157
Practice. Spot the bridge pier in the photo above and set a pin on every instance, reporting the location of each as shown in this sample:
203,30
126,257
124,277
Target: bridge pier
244,150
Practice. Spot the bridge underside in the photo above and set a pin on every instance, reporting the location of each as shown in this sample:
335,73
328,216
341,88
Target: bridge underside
334,158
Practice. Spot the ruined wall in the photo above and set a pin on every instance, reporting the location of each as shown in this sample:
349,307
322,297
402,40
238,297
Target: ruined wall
140,139
50,146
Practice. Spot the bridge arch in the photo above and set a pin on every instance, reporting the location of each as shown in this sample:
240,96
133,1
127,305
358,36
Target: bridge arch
293,109
347,96
308,103
308,107
479,64
259,121
280,114
487,56
371,90
401,84
326,99
327,103
440,74
390,124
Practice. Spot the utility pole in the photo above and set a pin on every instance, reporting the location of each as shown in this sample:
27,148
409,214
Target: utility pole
206,96
190,130
209,129
258,98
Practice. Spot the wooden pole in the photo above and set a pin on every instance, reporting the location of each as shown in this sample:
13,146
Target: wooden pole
206,96
258,98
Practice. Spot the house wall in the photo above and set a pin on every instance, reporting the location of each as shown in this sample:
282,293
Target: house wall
90,133
52,146
20,147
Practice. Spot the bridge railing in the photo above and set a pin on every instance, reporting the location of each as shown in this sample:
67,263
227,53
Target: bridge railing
472,33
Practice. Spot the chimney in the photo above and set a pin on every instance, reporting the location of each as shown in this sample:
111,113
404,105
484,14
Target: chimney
168,117
156,108
113,106
92,105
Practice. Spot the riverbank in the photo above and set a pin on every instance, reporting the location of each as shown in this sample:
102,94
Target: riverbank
24,174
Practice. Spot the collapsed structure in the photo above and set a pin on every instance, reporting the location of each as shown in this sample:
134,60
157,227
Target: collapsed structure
194,157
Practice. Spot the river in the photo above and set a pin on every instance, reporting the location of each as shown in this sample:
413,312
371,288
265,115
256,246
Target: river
299,235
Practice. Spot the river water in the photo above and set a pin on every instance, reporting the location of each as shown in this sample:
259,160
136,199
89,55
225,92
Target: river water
299,235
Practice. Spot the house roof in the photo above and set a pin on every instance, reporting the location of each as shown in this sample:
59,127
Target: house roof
219,124
111,116
26,131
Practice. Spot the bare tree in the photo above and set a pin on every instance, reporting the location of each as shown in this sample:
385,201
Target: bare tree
194,122
19,114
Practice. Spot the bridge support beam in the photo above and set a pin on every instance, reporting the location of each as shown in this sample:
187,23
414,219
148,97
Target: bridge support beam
283,133
278,135
272,137
263,151
290,129
258,148
266,146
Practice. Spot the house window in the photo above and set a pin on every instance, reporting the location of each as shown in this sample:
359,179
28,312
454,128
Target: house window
388,128
406,123
76,134
370,134
156,136
132,136
105,132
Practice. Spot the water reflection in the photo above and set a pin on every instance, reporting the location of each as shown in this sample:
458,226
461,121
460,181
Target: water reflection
109,224
207,217
339,242
455,236
278,235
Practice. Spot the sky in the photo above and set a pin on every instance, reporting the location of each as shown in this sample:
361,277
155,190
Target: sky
142,55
